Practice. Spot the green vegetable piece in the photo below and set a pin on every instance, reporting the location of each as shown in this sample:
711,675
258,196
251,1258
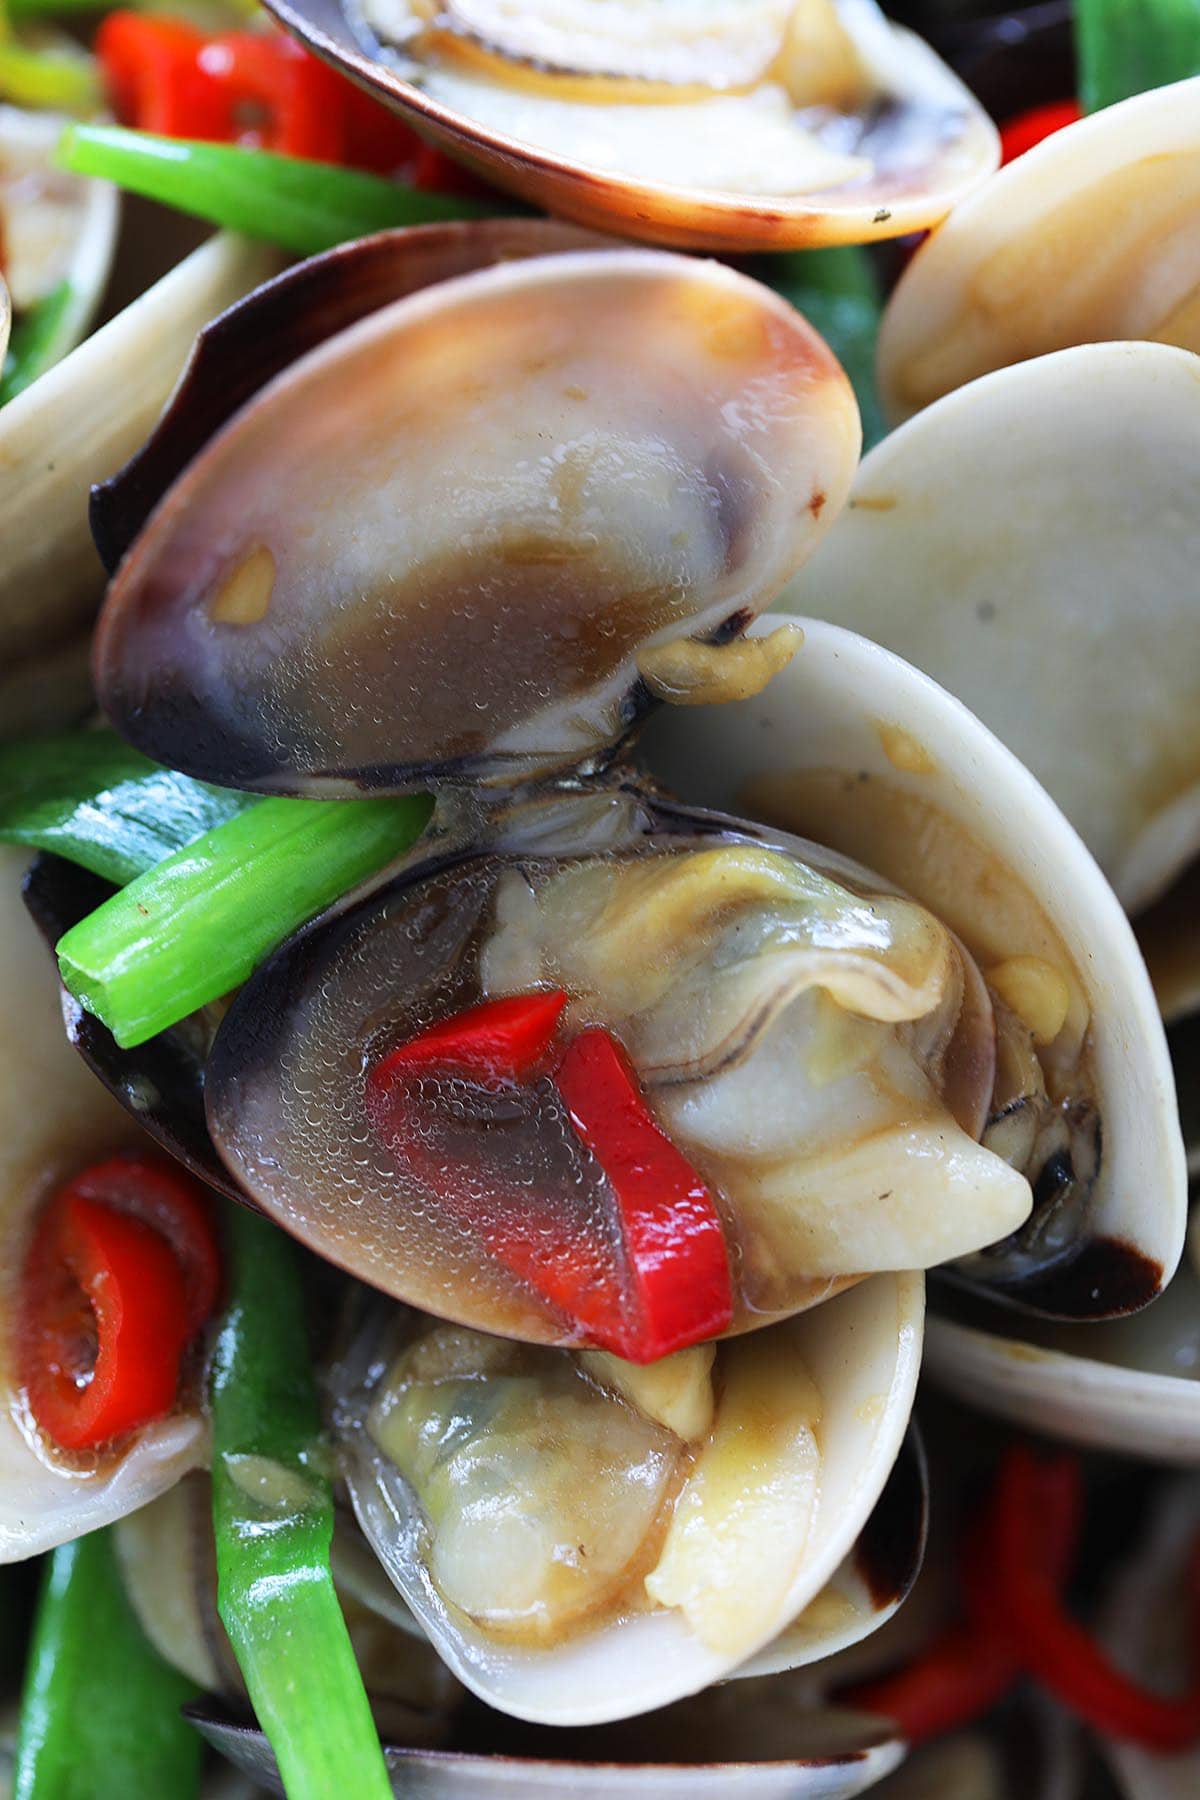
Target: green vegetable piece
197,925
273,1521
1125,47
90,797
304,206
65,80
32,340
838,293
100,1709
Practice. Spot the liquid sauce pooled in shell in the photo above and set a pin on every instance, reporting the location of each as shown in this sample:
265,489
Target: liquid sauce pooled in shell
557,1492
820,1058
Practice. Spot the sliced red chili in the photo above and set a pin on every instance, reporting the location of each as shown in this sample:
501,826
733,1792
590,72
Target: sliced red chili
161,1195
121,1272
1040,122
258,88
958,1679
1057,1650
671,1233
662,1282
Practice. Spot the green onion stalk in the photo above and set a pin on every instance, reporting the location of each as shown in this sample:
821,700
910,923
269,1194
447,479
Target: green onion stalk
301,205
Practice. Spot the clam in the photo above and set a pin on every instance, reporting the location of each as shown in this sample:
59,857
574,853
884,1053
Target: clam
53,1119
865,754
1061,488
1091,236
94,407
584,1539
739,124
59,232
827,1757
821,1050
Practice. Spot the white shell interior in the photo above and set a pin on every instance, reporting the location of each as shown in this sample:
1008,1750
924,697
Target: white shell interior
1126,1385
64,226
1092,236
1031,541
862,1351
981,828
54,1118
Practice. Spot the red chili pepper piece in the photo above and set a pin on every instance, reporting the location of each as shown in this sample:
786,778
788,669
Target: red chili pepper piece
121,1272
499,1040
671,1231
161,1195
1029,128
258,88
663,1283
1051,1645
959,1678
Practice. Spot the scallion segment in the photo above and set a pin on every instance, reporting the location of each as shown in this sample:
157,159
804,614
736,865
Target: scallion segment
84,1735
300,205
197,925
90,797
273,1522
1125,47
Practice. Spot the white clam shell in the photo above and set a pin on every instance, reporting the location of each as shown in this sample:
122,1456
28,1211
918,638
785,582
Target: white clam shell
862,1351
1127,1385
1092,236
1144,1631
90,210
94,408
54,1118
840,705
455,1775
1031,541
589,164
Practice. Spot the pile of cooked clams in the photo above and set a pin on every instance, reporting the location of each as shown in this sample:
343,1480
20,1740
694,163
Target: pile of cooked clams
810,874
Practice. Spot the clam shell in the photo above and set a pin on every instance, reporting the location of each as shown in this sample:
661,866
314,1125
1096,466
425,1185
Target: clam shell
612,441
54,1118
926,141
88,211
94,407
1059,490
1092,236
457,1775
860,751
862,1351
1126,1385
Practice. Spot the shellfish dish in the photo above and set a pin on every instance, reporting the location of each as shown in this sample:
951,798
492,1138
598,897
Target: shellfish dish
599,865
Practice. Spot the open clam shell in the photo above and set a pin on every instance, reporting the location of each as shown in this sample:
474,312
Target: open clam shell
59,231
1061,490
889,143
616,440
1126,1385
853,1361
54,1118
863,1753
94,407
1092,236
862,752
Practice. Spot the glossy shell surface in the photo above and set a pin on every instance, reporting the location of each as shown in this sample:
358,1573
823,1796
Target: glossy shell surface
922,139
862,752
636,446
1092,236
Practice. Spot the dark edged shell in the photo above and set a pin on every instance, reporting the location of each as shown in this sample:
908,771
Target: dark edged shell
433,548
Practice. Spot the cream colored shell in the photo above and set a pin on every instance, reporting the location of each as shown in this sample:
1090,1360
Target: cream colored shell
1094,235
